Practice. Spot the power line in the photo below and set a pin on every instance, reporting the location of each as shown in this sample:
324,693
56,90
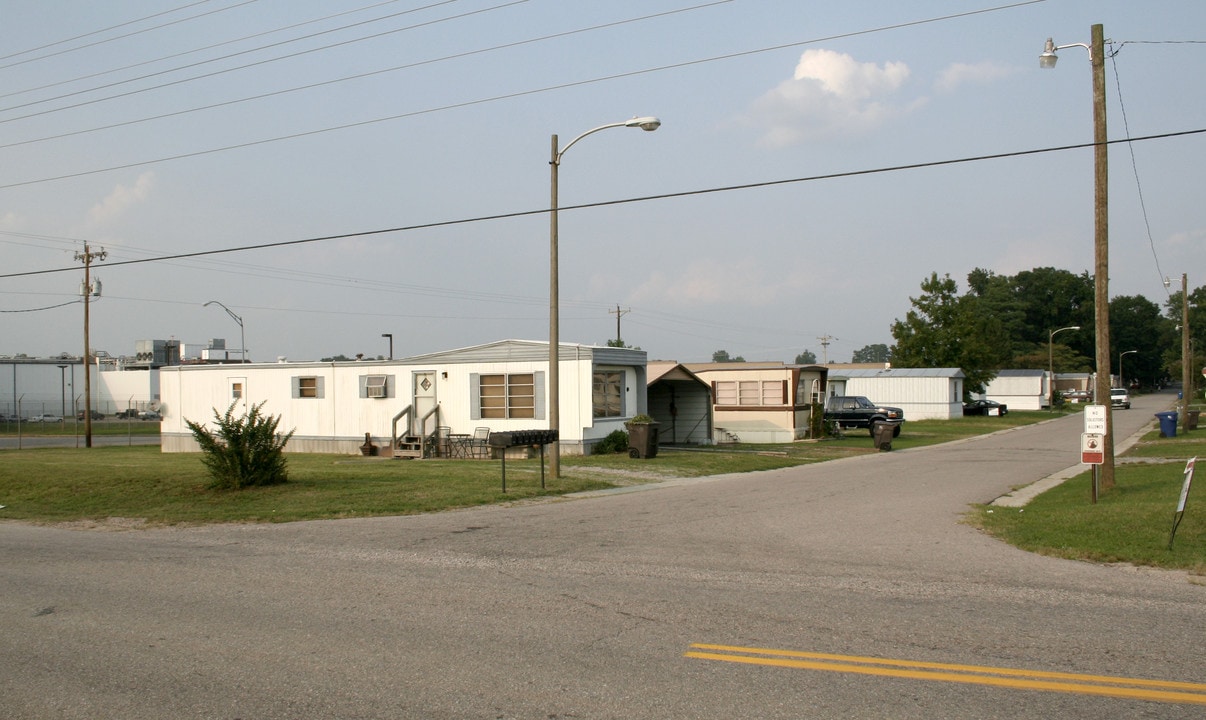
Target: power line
243,67
194,50
624,201
371,73
104,30
516,94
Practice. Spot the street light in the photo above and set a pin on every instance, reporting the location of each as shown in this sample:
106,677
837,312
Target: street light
1051,362
63,392
391,343
239,320
1101,243
645,123
1121,382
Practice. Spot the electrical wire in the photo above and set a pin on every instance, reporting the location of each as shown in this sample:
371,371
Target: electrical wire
371,73
182,53
513,95
104,30
610,203
244,67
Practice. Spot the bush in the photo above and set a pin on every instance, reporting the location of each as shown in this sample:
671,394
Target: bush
616,441
244,451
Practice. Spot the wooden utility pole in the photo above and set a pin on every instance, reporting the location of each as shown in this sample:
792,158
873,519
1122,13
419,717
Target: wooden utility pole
618,312
1101,245
87,257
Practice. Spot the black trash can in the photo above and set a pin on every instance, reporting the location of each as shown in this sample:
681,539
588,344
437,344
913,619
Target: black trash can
882,434
642,440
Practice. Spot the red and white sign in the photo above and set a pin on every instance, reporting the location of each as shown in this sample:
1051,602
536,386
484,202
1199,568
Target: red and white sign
1092,448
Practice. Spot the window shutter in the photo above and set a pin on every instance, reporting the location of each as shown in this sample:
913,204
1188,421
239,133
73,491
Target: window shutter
539,382
296,386
363,382
624,394
786,397
319,383
475,396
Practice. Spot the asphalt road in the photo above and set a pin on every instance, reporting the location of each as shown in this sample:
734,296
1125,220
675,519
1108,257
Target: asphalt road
848,589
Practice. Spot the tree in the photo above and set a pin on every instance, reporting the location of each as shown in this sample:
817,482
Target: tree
722,356
945,330
619,342
245,451
871,354
807,357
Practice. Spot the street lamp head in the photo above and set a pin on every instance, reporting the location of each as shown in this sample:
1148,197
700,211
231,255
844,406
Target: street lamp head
1048,58
648,124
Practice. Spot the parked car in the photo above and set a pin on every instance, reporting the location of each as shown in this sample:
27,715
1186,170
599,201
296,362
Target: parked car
126,414
95,415
149,415
45,418
857,411
1119,397
984,407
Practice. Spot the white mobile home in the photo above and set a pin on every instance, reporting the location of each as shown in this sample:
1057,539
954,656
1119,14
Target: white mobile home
923,393
331,406
1019,389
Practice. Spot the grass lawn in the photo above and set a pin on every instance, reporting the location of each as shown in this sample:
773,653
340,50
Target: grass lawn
135,486
142,484
1131,523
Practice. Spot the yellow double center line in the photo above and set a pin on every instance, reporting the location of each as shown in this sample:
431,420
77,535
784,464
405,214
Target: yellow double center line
1131,688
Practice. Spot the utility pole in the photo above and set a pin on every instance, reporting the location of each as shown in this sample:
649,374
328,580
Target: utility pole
87,290
618,312
825,340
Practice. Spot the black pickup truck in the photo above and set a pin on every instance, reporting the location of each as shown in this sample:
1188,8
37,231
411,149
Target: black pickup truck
857,411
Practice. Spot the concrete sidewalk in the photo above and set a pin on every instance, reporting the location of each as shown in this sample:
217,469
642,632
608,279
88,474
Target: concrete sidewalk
1020,497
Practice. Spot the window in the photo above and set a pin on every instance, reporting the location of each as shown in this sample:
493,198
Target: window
307,387
374,386
750,392
507,396
607,398
236,390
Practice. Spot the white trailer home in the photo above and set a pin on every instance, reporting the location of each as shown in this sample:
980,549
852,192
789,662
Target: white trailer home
332,406
1019,389
923,393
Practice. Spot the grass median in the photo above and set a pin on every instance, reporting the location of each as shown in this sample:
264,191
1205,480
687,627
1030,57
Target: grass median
123,487
1132,523
140,485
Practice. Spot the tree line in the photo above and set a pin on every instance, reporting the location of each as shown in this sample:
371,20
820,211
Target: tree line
1006,322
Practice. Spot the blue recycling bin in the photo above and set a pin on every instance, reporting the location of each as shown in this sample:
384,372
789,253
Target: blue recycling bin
1168,423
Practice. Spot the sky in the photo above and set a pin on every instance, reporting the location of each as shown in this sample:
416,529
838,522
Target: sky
341,169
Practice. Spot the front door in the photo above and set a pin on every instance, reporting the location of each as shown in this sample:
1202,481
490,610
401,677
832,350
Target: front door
424,394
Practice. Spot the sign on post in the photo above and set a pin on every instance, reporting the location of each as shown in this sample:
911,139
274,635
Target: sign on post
1092,448
1095,419
1181,502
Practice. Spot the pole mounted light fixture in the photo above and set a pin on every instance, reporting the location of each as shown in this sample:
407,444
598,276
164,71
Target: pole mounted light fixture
646,123
239,320
1051,361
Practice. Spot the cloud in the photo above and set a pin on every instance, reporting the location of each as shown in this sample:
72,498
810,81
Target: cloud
708,281
959,74
121,200
830,94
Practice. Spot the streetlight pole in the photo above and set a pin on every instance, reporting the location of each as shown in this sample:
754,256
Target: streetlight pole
1051,362
1186,376
391,343
239,320
645,123
1101,265
63,392
1121,381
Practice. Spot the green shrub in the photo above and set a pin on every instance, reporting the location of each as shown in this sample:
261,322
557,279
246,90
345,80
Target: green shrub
616,441
245,451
